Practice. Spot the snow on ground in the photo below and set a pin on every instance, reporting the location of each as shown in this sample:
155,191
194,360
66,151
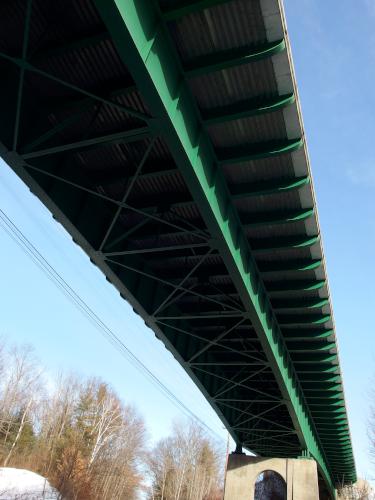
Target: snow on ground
22,484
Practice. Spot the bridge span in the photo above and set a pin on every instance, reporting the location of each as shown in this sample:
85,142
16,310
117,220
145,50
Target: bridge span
166,137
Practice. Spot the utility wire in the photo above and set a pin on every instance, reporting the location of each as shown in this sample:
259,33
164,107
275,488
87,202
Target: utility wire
27,247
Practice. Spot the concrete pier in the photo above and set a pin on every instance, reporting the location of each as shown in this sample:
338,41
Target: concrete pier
300,475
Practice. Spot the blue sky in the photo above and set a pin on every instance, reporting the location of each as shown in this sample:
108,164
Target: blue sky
333,46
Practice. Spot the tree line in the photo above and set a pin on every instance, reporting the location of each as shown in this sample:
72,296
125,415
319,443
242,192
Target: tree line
89,444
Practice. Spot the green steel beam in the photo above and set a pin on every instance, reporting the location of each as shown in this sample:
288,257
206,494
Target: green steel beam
269,187
246,109
316,406
267,244
311,346
119,137
319,377
78,106
238,192
226,59
279,217
25,44
337,424
292,286
56,106
303,319
318,368
321,386
310,335
290,265
239,154
330,414
108,178
143,44
70,120
332,423
314,358
249,221
285,304
167,248
176,286
332,411
327,432
27,66
219,272
344,441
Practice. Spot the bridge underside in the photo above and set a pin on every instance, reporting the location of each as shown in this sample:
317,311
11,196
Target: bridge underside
168,141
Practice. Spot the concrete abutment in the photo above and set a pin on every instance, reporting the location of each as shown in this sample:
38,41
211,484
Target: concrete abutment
300,475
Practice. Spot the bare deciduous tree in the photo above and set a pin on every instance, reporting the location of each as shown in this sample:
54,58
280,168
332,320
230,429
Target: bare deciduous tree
185,466
20,388
358,491
79,434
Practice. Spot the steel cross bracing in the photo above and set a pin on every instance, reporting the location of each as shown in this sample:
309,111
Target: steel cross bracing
196,204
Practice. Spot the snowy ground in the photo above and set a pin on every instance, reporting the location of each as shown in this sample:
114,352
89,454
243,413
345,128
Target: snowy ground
21,484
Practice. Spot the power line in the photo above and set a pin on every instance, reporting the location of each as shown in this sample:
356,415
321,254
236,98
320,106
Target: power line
33,253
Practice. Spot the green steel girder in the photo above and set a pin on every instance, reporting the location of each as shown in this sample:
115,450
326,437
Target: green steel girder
273,218
331,390
310,335
265,245
279,304
327,432
244,192
142,42
314,358
219,61
292,286
249,221
337,421
329,418
286,304
337,424
25,45
186,7
239,154
344,440
330,415
70,120
328,368
304,319
25,65
311,346
84,103
119,137
316,406
319,377
324,386
268,187
78,106
246,109
318,386
241,192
